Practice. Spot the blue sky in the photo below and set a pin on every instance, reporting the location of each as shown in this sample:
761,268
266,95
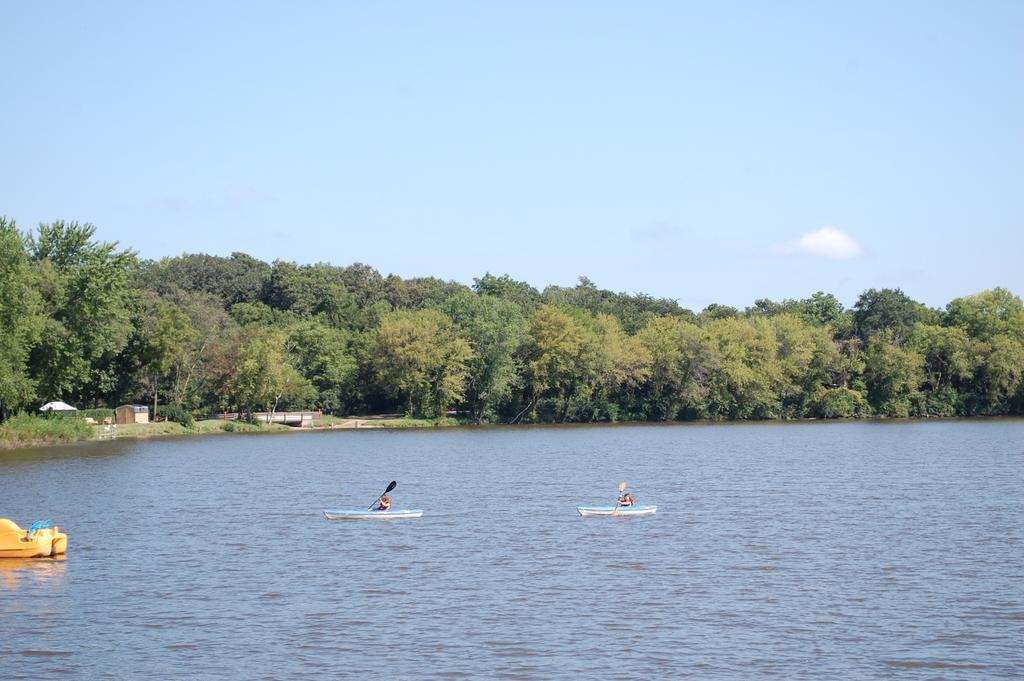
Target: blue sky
707,152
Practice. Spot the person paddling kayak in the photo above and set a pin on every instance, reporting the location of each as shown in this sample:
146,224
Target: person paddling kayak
383,502
625,498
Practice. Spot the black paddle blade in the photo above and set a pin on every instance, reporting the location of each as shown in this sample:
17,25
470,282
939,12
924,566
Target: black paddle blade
394,483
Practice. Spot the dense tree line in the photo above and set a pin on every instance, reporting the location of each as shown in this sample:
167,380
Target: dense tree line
90,323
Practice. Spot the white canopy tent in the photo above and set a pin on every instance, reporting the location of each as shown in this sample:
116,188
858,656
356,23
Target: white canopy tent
57,406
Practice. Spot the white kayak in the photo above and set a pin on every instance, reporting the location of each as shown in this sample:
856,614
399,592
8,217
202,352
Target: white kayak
363,514
586,511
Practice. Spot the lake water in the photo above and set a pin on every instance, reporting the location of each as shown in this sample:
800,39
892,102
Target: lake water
812,550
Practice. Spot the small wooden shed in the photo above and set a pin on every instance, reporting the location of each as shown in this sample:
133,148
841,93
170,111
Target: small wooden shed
132,413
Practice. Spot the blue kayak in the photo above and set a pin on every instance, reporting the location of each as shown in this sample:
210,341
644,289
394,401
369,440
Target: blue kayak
586,511
363,514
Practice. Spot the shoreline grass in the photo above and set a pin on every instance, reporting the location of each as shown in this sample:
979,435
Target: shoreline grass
27,430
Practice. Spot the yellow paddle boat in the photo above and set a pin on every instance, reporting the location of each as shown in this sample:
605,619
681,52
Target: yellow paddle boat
39,541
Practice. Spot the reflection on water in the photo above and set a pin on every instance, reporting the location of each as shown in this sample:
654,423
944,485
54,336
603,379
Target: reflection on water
800,551
25,573
10,458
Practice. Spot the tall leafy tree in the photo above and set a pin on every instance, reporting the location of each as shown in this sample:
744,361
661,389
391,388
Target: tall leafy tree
552,345
507,288
311,290
419,357
20,320
893,375
835,388
494,328
419,292
239,278
1002,376
822,309
205,362
88,301
262,378
365,283
167,334
889,309
632,311
562,356
623,368
683,358
988,314
321,354
949,361
805,356
716,311
747,381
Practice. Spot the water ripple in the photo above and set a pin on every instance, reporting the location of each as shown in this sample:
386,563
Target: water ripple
798,551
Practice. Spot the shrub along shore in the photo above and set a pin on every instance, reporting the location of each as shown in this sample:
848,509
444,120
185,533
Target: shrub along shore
25,430
90,323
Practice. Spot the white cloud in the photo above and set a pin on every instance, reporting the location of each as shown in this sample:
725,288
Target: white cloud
827,242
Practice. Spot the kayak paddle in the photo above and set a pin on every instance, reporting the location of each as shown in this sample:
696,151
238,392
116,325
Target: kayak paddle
622,486
393,484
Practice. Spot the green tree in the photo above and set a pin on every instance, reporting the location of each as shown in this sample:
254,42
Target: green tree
323,357
837,389
365,284
716,311
682,361
311,290
807,357
889,309
507,288
420,292
256,314
237,279
561,359
207,359
1002,376
167,335
419,357
828,384
988,314
494,328
822,309
748,379
838,403
632,311
893,375
623,368
635,311
88,301
263,379
20,320
948,362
